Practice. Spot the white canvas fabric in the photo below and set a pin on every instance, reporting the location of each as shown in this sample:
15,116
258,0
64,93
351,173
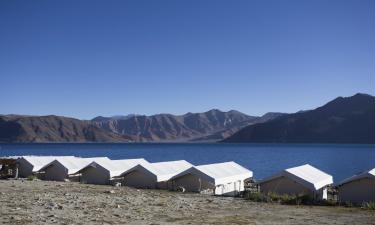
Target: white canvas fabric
219,173
39,162
306,175
73,164
115,167
366,174
163,171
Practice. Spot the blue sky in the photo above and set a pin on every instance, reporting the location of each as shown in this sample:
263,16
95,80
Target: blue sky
89,58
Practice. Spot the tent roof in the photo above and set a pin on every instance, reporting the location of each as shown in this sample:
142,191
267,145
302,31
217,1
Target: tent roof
73,164
40,161
224,170
365,174
219,173
306,175
116,167
163,170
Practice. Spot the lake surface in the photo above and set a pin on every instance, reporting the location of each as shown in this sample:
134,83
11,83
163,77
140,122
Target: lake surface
341,161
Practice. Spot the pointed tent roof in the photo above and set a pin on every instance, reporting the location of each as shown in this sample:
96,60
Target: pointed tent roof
115,167
219,173
73,164
306,175
366,174
40,161
163,171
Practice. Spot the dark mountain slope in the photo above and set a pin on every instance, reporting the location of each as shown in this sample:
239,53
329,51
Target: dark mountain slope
53,129
225,133
343,120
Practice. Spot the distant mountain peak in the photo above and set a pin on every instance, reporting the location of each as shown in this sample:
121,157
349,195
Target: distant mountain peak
116,117
214,111
362,95
356,96
356,102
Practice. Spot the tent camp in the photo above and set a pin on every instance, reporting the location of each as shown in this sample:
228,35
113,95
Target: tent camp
154,175
101,172
358,188
60,168
27,165
304,179
226,178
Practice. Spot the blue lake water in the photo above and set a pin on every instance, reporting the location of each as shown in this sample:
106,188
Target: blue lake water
341,161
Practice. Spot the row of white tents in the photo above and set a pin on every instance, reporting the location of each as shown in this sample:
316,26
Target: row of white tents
226,178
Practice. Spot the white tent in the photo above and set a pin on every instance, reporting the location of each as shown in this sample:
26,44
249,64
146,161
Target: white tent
358,188
154,175
60,168
304,179
226,178
27,165
101,172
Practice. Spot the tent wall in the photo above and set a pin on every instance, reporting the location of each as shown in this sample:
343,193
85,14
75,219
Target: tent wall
192,183
140,179
56,172
358,191
284,185
25,169
93,175
229,189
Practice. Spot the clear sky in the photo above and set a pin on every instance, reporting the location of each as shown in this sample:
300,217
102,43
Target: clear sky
88,58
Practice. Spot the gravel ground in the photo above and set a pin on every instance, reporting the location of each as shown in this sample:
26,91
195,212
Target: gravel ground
43,202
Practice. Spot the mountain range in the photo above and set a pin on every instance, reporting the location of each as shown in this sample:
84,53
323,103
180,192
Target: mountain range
212,125
343,120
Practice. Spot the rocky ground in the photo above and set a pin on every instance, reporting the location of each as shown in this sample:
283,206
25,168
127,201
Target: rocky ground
42,202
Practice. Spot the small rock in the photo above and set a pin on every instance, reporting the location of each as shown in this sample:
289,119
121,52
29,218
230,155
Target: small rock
110,192
52,204
15,218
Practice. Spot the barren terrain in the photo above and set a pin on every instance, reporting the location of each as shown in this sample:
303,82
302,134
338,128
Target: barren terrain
42,202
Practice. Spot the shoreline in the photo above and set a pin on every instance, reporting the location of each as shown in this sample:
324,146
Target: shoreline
48,202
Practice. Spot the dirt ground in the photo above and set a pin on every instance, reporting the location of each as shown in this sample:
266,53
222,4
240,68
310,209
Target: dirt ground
42,202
